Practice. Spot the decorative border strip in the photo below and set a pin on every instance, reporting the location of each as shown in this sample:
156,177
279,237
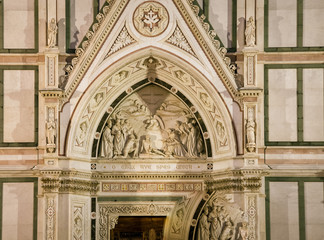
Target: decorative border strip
151,187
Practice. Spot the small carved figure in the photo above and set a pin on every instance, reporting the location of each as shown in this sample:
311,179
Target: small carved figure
243,232
203,226
250,130
173,146
131,146
250,32
118,138
215,226
52,31
227,232
51,131
107,145
192,142
178,221
152,234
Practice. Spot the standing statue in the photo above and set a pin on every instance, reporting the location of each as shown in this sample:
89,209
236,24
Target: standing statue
250,32
192,142
107,146
250,130
215,226
52,31
204,225
51,130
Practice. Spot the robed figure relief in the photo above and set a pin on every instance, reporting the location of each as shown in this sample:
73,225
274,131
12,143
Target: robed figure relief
152,123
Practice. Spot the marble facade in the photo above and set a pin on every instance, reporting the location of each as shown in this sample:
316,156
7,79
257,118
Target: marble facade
175,109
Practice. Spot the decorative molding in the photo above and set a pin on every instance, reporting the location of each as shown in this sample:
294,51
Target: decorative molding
113,220
123,39
179,40
51,184
252,213
237,180
50,218
80,219
109,213
152,187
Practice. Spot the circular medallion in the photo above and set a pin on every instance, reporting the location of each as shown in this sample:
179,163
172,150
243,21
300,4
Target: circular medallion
150,19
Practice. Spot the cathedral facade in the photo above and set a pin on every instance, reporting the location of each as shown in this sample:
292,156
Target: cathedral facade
169,119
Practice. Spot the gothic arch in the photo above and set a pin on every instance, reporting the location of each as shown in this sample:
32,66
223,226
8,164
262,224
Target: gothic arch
117,80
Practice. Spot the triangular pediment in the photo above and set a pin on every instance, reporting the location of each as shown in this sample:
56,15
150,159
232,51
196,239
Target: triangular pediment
124,27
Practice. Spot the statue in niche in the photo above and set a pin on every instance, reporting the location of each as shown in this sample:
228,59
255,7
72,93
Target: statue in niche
221,220
243,232
250,32
250,130
52,32
107,145
51,130
176,226
203,226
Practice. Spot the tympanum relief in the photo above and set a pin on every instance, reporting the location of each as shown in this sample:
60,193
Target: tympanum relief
152,123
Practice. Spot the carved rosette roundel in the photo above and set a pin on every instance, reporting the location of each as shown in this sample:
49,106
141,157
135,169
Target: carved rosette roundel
150,19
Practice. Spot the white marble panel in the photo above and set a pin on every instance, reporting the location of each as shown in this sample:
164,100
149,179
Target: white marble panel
19,24
81,18
18,105
313,23
282,105
17,211
313,104
314,210
220,17
284,219
282,23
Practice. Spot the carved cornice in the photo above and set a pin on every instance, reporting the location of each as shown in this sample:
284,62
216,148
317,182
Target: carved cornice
57,181
237,180
51,93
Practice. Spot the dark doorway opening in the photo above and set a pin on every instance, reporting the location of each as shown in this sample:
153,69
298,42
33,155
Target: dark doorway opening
138,228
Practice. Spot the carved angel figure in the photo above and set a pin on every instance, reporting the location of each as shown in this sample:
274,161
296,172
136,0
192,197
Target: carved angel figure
250,32
52,31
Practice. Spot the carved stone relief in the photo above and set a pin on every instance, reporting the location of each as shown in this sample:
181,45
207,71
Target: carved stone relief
126,73
124,39
80,218
152,123
150,19
220,220
179,40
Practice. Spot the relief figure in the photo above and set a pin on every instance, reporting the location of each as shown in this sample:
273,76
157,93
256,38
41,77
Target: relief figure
107,146
203,226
